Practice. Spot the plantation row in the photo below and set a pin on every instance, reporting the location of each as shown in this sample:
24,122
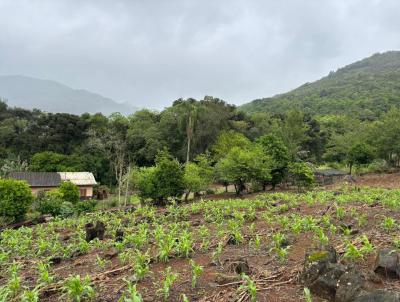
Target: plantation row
150,252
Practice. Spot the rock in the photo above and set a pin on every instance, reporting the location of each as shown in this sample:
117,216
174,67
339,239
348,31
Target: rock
241,267
111,253
65,237
379,296
224,278
119,235
387,262
326,283
95,231
196,223
349,286
231,240
316,262
329,279
373,277
55,260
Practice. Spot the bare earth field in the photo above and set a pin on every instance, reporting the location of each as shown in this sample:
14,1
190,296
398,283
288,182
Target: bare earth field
266,237
388,181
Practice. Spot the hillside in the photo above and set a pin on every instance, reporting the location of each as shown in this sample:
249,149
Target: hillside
365,88
29,93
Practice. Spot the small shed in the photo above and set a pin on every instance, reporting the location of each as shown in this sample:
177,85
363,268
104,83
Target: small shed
46,181
329,176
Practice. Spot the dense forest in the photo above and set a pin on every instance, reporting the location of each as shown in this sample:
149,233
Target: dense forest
365,89
191,130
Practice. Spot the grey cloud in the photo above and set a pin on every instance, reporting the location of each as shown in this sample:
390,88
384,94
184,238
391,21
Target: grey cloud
151,52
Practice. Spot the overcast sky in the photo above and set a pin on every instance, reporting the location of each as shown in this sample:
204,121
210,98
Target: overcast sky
150,53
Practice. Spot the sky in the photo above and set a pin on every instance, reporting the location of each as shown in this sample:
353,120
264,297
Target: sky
150,53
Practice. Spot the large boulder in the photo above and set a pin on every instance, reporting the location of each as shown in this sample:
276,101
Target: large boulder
379,296
328,279
349,286
387,262
316,262
325,285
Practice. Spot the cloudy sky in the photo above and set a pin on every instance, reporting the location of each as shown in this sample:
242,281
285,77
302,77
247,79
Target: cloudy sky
150,53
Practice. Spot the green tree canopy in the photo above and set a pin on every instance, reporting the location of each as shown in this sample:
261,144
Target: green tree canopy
359,154
241,166
274,147
226,141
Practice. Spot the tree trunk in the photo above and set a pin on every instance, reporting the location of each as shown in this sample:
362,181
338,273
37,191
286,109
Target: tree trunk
127,184
189,133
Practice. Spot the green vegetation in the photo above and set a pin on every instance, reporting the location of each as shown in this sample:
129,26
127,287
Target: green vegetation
365,89
69,192
15,199
158,242
166,162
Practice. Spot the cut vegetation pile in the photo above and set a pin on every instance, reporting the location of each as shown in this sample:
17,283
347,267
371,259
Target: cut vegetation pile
278,247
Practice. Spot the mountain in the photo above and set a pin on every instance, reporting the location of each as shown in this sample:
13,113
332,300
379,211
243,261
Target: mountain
366,89
51,96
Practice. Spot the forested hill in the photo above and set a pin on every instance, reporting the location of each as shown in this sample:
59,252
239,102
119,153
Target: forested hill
51,96
365,89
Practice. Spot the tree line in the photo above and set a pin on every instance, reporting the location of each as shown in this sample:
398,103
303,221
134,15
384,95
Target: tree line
199,136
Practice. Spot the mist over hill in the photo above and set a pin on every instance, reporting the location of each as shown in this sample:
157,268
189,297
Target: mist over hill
366,88
51,96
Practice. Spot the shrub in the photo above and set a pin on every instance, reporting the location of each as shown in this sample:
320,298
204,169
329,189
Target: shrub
85,206
146,182
67,209
168,177
50,202
162,181
15,199
70,192
197,176
302,174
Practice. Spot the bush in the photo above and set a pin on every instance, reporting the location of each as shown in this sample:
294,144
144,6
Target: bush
302,175
67,209
146,182
15,199
70,192
161,181
50,202
85,206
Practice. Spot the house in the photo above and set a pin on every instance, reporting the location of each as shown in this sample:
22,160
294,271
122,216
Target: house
46,181
329,176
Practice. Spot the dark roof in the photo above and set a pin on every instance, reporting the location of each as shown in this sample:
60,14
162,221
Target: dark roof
330,172
38,179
